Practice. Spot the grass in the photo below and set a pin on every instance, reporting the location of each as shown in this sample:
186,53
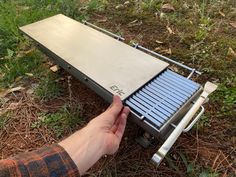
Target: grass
14,69
15,64
4,119
48,87
202,39
191,168
60,122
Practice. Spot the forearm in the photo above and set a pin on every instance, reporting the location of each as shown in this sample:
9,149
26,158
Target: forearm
77,152
83,148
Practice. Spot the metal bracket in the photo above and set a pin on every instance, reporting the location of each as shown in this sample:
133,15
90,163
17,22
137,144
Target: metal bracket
118,37
193,70
194,120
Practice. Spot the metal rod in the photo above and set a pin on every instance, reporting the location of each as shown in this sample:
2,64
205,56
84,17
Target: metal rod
190,75
103,30
193,70
160,154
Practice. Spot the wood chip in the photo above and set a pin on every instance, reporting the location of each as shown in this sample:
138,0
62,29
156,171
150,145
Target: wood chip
4,93
167,8
54,68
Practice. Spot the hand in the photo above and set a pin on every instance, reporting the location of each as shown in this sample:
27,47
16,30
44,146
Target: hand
109,126
101,136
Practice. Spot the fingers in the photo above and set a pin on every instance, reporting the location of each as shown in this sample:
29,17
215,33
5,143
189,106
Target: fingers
121,127
114,110
125,111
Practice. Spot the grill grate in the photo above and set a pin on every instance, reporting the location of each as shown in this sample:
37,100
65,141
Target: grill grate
162,97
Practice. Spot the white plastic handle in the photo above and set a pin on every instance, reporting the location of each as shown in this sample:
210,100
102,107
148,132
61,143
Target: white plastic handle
193,122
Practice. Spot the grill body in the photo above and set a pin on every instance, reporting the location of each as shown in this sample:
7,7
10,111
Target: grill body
157,96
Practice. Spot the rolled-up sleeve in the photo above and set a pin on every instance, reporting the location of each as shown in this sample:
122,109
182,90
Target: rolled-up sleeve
48,161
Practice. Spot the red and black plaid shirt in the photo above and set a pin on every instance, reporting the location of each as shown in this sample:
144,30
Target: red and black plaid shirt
48,161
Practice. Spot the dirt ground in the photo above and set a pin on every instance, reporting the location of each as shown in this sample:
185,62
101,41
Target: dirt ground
207,150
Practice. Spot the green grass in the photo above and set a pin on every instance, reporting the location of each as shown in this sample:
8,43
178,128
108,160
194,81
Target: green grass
4,119
191,169
194,22
226,97
48,87
14,14
60,122
15,69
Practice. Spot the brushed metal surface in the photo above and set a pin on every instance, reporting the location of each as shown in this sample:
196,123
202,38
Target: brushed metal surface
117,67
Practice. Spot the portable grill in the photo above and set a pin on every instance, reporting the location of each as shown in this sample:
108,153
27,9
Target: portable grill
161,101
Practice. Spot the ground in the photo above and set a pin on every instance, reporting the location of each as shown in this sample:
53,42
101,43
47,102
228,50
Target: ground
40,107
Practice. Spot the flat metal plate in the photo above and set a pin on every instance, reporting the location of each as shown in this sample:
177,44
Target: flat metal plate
114,65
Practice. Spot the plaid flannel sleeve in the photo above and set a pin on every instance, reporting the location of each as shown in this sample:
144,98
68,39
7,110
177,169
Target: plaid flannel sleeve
48,161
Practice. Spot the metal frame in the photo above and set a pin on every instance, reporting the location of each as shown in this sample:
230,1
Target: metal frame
137,46
193,70
118,37
161,133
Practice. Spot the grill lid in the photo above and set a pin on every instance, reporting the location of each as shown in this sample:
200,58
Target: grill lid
115,66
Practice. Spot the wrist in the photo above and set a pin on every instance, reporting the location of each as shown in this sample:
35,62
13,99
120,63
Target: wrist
83,148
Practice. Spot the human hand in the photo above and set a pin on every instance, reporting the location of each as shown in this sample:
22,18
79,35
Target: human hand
101,136
109,126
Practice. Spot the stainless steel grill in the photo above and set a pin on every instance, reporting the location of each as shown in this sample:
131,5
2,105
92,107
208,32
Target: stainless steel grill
162,97
162,102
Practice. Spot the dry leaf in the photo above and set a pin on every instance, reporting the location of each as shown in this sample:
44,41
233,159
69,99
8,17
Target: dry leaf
23,53
126,3
120,6
221,13
231,52
167,8
30,91
29,74
157,49
159,42
170,30
166,51
102,20
12,106
18,78
134,21
4,93
162,15
233,24
55,68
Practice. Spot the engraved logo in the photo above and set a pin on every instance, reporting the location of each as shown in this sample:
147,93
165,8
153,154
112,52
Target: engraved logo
117,90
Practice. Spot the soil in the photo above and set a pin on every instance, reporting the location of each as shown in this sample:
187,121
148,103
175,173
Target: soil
212,146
